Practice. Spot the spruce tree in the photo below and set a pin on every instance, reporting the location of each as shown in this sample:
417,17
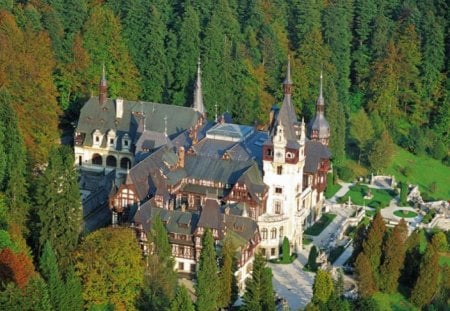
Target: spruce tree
412,258
48,267
73,292
427,283
372,246
226,276
394,255
286,250
182,301
58,206
258,294
207,287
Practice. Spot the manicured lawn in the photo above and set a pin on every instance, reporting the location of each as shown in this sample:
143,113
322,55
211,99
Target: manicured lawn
405,214
380,197
321,224
280,261
331,190
306,241
422,171
395,302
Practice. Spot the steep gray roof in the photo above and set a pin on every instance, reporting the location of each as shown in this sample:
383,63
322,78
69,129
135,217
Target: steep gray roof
314,152
94,116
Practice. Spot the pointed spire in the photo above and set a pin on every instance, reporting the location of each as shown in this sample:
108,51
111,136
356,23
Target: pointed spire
198,94
320,100
287,84
165,125
216,117
103,88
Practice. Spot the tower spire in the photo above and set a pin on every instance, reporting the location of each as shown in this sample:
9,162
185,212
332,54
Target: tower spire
320,101
198,94
103,88
287,84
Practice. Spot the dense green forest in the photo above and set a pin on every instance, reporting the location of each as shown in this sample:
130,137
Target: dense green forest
386,85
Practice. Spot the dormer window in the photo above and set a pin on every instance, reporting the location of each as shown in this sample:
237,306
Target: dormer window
97,138
125,142
111,138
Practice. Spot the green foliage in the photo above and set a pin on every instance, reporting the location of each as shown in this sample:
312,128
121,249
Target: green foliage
258,294
321,224
58,212
403,193
227,280
33,297
439,240
312,259
286,250
367,284
97,260
48,267
426,285
382,152
322,287
160,277
207,287
182,301
361,131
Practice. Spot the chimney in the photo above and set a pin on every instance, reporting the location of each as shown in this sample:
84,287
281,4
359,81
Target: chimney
119,108
103,89
181,155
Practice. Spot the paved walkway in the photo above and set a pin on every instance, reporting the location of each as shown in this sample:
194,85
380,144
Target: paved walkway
345,187
292,283
344,257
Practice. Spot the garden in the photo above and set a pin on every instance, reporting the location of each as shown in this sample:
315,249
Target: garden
376,198
321,224
405,213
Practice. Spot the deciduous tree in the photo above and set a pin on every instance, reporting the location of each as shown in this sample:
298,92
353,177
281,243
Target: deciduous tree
182,301
322,287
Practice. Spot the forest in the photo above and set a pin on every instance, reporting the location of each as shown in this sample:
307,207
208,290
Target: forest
385,67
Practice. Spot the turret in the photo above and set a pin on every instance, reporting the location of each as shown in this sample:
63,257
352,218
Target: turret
103,89
319,129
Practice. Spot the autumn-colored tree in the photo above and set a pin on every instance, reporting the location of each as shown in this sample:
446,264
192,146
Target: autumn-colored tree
393,257
366,284
110,264
26,73
382,152
17,268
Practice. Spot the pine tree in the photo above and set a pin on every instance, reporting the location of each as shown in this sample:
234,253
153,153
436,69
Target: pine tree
372,246
58,206
394,256
322,287
227,279
258,294
207,288
182,301
427,283
312,257
361,130
48,267
366,284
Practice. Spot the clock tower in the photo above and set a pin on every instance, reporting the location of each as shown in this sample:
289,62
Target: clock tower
283,162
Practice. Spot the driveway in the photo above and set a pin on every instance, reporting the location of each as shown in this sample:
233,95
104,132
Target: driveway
292,283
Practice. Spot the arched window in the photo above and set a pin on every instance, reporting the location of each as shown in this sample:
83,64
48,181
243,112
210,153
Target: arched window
264,233
111,161
97,159
125,163
273,233
281,231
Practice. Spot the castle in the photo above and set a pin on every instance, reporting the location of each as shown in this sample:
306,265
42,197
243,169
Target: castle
253,186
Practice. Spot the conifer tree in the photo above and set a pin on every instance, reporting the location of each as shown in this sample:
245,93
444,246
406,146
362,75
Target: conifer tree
73,292
182,301
312,257
412,258
372,246
394,256
286,250
382,152
258,294
322,287
227,279
207,288
427,283
361,130
58,206
160,276
48,266
366,284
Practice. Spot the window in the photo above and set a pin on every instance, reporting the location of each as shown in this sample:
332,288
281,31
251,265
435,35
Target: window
289,155
263,252
193,268
181,250
281,231
277,207
279,170
269,152
272,252
273,233
278,190
264,234
111,141
181,266
97,139
125,142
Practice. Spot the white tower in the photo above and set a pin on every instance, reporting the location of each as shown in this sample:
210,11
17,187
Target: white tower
283,162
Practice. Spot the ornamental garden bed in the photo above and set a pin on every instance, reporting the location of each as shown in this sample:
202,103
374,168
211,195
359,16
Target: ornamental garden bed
405,213
380,197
